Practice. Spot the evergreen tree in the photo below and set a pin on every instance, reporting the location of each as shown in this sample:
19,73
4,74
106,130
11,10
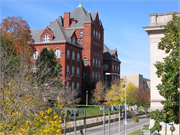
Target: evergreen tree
169,73
48,69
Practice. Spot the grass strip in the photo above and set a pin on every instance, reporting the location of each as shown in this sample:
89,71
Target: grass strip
139,131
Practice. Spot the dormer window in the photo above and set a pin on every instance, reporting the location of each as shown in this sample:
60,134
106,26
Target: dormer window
73,40
73,21
46,38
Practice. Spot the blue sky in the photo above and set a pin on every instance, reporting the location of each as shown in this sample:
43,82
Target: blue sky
123,22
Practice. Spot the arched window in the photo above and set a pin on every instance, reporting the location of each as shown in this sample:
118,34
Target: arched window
85,61
81,41
57,53
118,70
94,33
96,75
81,33
78,57
99,63
93,74
72,85
78,87
35,54
96,62
105,67
68,70
78,72
68,54
93,61
73,40
67,84
73,71
46,38
99,36
73,55
99,76
112,67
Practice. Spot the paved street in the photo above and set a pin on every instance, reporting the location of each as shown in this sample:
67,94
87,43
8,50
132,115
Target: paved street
114,128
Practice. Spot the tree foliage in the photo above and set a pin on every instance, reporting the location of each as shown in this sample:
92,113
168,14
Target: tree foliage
48,69
131,88
22,110
142,97
18,31
169,73
116,95
99,93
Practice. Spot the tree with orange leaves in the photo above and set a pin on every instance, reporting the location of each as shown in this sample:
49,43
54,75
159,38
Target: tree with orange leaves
18,31
99,94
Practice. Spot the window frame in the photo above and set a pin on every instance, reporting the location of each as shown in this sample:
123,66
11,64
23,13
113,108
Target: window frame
72,86
73,71
78,88
85,61
81,33
68,70
68,54
35,54
56,53
78,72
78,57
73,40
46,38
73,55
81,41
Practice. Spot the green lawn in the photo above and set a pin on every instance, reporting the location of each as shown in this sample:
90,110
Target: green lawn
91,110
139,131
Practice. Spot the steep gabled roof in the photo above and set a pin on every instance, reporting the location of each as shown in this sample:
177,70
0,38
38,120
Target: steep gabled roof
60,20
36,34
109,54
78,14
59,32
93,15
88,18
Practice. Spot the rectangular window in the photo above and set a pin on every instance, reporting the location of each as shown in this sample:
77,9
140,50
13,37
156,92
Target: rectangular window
68,70
84,74
78,72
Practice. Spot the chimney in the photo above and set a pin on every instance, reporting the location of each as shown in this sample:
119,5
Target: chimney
66,20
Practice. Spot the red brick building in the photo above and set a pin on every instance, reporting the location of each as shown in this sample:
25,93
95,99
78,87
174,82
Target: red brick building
77,39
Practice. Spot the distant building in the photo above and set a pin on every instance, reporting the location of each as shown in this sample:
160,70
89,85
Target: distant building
138,81
156,31
77,39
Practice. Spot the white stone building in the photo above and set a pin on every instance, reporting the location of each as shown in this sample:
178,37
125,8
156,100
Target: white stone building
156,31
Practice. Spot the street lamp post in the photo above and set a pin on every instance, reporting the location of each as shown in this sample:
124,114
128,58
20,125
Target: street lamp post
125,122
